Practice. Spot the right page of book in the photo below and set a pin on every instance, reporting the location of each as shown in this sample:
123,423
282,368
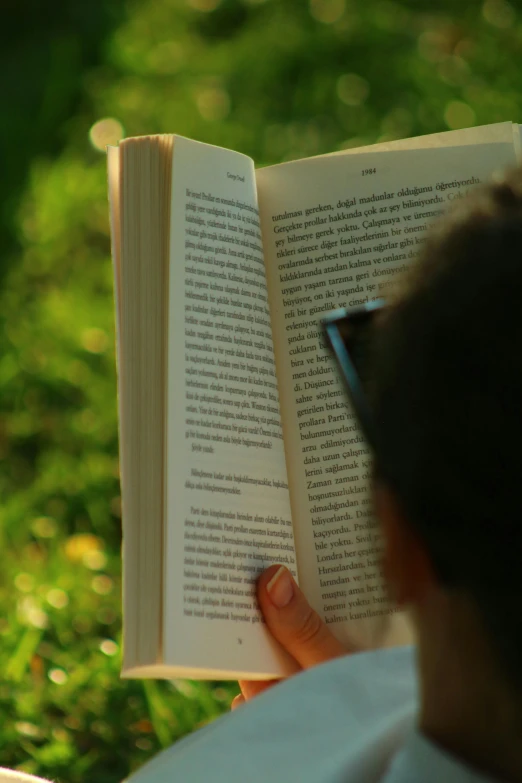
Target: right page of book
337,231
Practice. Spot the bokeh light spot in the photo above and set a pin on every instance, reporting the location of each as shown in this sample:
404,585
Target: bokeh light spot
143,743
58,676
108,647
104,132
24,582
432,45
499,13
60,735
30,613
28,729
397,124
352,89
102,584
213,103
185,687
77,545
95,560
327,11
44,527
94,340
459,115
57,598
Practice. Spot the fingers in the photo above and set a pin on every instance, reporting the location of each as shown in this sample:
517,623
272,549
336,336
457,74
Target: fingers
251,688
237,702
292,621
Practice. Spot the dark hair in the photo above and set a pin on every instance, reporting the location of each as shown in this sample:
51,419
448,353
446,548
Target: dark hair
447,400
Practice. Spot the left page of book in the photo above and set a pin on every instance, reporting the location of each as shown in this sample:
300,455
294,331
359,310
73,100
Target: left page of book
227,501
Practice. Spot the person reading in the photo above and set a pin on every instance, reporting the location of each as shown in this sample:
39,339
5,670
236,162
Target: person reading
444,393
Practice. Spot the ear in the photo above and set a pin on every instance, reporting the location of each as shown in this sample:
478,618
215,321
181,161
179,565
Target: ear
406,564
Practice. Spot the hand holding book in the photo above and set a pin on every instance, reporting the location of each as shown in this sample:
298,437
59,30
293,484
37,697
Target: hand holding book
295,625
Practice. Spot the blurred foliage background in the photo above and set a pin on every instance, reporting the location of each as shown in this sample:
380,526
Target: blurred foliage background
276,79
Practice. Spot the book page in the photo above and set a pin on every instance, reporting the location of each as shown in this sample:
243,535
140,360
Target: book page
228,510
337,231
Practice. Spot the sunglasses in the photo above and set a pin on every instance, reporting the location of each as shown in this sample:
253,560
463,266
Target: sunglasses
348,335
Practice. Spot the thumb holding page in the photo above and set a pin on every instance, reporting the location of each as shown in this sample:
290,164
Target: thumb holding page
294,624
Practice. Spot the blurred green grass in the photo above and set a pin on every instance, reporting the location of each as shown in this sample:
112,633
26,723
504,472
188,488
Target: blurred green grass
276,79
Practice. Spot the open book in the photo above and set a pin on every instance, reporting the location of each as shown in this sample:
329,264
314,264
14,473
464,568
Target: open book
238,446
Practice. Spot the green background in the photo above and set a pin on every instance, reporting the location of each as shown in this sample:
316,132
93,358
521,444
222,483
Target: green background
276,79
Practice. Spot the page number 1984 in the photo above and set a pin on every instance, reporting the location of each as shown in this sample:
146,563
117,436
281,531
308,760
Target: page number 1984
365,172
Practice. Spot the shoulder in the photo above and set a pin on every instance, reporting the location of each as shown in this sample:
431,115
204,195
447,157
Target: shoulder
349,715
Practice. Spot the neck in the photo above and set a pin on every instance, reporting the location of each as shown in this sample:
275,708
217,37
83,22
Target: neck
467,707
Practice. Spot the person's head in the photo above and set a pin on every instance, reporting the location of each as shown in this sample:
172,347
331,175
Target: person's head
447,401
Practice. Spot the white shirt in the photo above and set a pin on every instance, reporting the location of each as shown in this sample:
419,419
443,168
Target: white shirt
352,719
